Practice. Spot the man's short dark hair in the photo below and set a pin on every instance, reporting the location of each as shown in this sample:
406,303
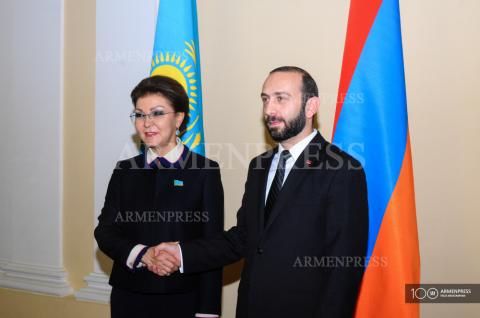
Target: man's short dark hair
309,87
169,88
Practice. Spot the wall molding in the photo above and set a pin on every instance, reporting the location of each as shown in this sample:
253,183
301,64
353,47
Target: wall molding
35,278
3,263
97,290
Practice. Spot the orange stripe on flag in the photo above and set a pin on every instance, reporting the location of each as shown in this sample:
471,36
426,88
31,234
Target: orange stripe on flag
382,293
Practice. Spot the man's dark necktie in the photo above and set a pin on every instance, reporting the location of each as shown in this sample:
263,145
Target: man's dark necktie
276,184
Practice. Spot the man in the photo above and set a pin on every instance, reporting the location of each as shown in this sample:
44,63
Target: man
303,224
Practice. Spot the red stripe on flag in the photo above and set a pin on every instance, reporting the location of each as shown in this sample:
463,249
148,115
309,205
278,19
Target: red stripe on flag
360,20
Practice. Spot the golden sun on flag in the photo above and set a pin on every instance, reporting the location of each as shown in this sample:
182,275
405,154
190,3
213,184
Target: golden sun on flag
180,68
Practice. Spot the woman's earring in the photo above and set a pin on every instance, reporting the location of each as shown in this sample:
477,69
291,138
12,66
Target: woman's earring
177,132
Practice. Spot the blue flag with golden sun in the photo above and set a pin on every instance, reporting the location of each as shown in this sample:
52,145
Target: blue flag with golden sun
176,55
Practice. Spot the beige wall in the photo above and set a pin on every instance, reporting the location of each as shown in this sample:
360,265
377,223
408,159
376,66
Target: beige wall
442,66
240,42
15,304
79,123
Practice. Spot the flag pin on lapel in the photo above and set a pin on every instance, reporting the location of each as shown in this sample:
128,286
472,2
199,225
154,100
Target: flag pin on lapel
309,163
177,183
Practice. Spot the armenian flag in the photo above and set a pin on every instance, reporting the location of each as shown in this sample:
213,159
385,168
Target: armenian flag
371,123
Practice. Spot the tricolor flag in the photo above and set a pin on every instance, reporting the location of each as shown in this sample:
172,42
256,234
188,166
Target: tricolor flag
176,54
371,121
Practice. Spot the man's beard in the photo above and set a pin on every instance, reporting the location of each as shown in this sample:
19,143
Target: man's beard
291,129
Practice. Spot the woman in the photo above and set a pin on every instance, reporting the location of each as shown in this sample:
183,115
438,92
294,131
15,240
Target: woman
167,193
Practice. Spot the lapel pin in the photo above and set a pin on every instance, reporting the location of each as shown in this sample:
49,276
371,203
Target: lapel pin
309,163
177,183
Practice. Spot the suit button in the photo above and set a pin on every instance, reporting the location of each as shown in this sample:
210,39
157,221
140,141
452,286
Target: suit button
259,250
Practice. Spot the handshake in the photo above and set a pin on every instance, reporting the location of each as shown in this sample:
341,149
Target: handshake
163,259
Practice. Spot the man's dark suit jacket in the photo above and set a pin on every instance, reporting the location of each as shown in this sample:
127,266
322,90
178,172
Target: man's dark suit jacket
145,205
293,264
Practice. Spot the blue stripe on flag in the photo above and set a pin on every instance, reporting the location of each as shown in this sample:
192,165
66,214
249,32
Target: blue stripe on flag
373,121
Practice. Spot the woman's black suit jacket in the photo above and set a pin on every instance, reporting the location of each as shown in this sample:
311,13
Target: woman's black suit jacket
162,202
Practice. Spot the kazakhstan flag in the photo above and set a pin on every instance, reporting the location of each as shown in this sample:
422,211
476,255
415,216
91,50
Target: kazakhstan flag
176,54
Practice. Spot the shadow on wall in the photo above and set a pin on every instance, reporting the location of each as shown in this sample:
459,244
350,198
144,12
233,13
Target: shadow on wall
104,261
232,273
